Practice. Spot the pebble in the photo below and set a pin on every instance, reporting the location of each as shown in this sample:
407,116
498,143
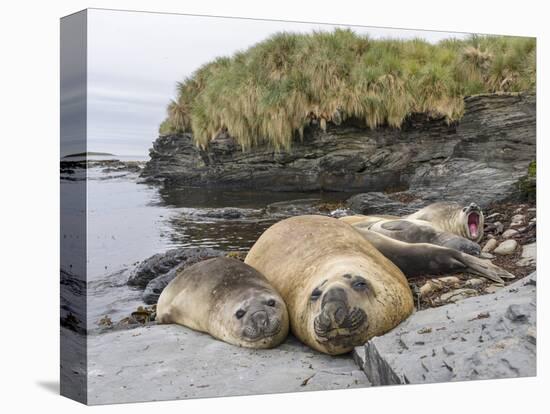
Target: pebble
532,210
474,283
533,220
499,227
517,220
518,210
489,246
456,295
515,313
492,288
506,247
427,288
493,216
449,280
431,285
486,255
509,233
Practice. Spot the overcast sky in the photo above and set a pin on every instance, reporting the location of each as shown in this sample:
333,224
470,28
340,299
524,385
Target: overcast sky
135,60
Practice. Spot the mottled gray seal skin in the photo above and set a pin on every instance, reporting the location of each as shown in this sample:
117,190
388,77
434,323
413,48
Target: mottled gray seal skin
229,300
418,231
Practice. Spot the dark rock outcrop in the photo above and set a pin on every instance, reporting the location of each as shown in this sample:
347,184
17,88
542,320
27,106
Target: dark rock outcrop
481,157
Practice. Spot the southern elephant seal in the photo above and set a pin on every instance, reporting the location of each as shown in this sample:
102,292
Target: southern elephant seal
339,290
418,249
227,299
413,231
465,221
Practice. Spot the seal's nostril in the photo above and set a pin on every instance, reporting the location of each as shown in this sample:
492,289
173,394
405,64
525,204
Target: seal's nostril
336,294
271,302
340,315
261,319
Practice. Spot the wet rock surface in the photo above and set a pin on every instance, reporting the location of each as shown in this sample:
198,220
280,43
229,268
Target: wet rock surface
481,158
162,263
165,362
483,337
379,203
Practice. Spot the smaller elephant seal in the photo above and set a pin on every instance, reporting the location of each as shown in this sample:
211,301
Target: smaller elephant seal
339,289
464,221
229,300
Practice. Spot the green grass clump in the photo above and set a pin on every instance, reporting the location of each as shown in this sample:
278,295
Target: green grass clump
272,91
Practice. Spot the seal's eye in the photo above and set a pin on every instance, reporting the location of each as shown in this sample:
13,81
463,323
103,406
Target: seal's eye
271,302
359,285
316,294
240,313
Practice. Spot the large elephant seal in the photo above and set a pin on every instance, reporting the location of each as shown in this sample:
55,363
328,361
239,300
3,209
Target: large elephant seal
339,290
227,299
464,221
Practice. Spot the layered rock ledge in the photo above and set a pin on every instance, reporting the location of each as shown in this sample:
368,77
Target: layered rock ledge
483,337
481,157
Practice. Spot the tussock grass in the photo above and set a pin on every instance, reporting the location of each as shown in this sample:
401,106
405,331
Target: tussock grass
273,90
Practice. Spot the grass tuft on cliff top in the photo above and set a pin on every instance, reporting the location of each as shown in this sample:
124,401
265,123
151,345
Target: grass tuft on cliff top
273,90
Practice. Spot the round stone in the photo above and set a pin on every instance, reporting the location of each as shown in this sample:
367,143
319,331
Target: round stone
506,247
509,233
489,246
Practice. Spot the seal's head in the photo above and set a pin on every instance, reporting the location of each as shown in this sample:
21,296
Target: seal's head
465,221
339,312
472,221
253,318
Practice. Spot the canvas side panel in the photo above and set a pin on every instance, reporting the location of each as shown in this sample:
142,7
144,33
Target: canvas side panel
73,382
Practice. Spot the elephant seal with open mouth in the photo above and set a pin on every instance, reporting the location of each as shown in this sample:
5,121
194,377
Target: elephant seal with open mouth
227,299
339,290
465,221
441,238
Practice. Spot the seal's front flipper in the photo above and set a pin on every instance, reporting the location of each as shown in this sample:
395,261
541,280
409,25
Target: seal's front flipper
485,268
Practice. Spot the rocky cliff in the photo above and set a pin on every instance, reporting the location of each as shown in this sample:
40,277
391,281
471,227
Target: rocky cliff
481,157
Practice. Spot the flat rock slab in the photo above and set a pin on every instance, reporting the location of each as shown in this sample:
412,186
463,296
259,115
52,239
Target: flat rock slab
165,362
484,337
528,255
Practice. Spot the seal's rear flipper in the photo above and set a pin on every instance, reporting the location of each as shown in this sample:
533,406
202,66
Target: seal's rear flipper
485,268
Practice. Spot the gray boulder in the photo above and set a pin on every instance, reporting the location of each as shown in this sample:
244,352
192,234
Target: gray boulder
483,337
162,263
155,287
